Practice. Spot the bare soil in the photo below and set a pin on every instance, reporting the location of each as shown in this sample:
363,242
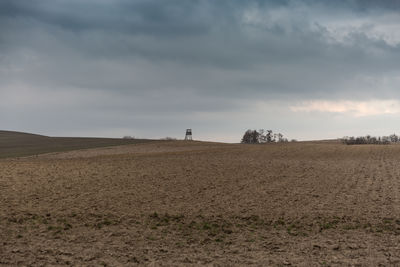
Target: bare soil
193,203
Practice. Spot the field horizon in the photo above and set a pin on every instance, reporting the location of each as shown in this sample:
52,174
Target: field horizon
19,144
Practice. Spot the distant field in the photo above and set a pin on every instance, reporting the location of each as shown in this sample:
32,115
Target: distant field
17,144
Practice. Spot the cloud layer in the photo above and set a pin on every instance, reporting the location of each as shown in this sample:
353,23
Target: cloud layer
154,68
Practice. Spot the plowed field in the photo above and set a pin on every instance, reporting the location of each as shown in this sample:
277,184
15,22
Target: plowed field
193,203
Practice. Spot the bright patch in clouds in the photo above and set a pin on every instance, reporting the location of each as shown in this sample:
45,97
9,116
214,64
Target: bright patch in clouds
355,108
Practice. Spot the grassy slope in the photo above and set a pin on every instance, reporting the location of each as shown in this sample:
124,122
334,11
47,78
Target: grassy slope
16,144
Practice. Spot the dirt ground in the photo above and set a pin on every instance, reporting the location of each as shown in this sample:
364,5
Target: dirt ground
192,203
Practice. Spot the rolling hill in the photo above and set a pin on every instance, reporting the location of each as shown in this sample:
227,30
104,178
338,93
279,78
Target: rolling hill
17,144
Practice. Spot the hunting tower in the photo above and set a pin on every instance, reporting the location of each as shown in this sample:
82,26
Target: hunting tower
188,135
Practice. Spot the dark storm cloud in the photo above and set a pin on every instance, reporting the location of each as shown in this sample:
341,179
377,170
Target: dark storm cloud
166,57
134,17
193,34
367,5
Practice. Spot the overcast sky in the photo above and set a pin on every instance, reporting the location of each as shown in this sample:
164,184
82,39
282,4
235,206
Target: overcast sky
152,68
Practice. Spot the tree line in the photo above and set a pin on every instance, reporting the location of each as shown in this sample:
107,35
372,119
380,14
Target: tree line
262,136
363,140
268,136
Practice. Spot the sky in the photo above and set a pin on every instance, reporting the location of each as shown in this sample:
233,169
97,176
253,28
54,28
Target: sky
310,69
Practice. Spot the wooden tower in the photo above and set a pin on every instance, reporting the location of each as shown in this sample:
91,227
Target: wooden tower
188,135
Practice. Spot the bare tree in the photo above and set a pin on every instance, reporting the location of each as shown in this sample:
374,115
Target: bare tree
270,136
394,138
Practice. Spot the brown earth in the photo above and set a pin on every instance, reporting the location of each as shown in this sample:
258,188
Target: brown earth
193,203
